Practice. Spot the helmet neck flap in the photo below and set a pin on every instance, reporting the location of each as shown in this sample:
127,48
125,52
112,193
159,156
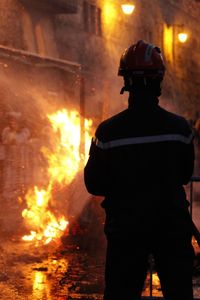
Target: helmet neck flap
142,68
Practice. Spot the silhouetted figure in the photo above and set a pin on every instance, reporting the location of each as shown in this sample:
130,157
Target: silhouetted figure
139,160
17,170
2,147
197,147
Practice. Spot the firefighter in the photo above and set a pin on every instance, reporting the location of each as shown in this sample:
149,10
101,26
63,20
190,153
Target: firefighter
139,161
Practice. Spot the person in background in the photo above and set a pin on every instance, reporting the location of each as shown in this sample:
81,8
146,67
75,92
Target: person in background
15,137
139,161
2,148
15,133
197,147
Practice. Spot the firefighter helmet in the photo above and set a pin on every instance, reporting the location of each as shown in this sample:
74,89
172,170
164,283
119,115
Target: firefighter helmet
142,60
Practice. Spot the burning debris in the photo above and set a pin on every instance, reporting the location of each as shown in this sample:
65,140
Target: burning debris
46,225
63,163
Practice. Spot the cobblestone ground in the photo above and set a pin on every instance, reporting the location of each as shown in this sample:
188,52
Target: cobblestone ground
56,273
61,271
51,272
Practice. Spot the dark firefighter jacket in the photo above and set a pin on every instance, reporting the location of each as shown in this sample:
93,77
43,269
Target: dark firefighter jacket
139,161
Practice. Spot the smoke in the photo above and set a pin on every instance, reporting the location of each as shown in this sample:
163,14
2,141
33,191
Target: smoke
196,204
169,105
35,92
76,196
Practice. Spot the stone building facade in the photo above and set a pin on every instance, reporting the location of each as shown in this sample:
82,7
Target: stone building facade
93,34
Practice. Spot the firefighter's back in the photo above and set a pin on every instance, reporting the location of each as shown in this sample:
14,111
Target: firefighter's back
146,159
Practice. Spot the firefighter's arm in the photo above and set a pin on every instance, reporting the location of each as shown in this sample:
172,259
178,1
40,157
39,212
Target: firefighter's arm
188,162
95,171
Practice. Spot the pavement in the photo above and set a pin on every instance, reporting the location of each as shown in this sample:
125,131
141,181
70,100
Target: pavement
57,272
49,272
67,269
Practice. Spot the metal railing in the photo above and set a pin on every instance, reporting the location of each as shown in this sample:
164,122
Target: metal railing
191,200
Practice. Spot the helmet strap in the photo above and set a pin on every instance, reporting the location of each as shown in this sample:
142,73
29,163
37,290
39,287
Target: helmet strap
122,90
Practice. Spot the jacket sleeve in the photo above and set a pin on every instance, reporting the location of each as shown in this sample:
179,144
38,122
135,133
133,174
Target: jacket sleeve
188,161
95,170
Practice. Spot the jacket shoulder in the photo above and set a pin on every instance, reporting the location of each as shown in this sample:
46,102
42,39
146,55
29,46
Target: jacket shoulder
176,122
107,125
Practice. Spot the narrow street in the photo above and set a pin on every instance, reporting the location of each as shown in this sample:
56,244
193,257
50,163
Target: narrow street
61,271
70,267
50,272
59,67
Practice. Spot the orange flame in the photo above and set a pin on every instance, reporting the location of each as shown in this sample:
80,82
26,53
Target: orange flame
64,161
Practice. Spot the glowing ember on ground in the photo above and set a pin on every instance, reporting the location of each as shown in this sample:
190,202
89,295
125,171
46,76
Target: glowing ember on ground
46,225
64,161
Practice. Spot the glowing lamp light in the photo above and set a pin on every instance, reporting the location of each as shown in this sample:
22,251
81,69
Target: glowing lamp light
182,37
127,8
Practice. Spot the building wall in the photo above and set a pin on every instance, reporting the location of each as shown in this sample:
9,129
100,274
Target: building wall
11,29
70,37
100,54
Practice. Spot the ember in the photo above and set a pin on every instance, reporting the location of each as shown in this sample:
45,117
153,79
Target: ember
63,157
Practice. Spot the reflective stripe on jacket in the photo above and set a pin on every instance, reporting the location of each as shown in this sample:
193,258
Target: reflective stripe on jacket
140,157
143,140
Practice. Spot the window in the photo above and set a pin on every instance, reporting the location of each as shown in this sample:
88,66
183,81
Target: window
39,33
92,18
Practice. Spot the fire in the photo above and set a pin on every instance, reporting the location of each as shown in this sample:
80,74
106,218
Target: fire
64,159
46,225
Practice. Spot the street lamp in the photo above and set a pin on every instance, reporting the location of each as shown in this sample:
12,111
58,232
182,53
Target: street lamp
128,8
181,34
182,37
